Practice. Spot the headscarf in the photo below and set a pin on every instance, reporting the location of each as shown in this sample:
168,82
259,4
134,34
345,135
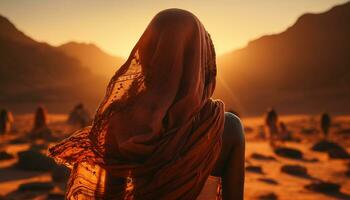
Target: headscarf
157,132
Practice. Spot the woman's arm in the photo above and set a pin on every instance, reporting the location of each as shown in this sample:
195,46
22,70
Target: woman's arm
233,170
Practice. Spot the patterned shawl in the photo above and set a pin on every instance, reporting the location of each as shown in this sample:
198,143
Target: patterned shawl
157,132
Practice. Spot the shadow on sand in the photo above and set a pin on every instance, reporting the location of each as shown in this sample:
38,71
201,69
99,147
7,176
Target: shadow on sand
11,173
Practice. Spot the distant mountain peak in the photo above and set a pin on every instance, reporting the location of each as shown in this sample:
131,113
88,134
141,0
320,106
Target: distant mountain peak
81,44
92,47
327,16
9,31
93,57
33,73
304,69
5,23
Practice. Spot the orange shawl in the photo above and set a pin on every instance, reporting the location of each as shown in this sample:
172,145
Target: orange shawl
157,132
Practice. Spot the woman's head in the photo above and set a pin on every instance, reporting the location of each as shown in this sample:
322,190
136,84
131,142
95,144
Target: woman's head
179,30
177,24
167,79
173,60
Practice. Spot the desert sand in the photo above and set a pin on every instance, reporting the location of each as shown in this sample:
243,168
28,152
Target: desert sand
264,178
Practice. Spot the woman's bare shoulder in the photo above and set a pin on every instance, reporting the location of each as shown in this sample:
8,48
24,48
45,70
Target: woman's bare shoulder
232,142
233,128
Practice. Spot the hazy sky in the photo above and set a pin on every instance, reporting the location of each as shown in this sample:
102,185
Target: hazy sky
116,25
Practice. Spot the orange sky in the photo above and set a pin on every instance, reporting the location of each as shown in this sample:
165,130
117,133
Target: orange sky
115,26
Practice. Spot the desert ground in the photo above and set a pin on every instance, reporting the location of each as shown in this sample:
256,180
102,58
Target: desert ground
265,178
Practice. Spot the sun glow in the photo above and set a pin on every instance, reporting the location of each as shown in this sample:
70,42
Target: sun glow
115,26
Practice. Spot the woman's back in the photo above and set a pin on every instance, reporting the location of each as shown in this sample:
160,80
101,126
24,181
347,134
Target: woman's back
227,177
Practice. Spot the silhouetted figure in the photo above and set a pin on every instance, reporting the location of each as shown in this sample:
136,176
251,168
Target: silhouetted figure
40,128
271,120
6,121
40,119
79,116
325,124
138,111
283,132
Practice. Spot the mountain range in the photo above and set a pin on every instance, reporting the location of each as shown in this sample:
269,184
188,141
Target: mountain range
33,73
304,69
90,55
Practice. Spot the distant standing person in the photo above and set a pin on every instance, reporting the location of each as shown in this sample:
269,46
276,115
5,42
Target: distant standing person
285,135
6,121
271,120
40,118
40,128
325,124
79,116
